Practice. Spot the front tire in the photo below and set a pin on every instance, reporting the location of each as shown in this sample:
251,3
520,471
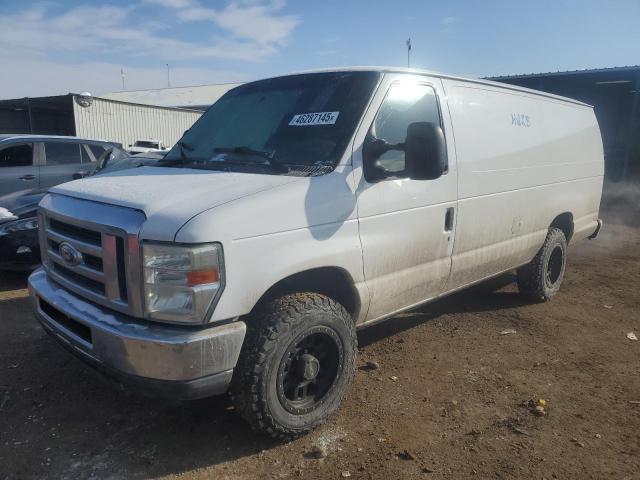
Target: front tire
540,280
296,365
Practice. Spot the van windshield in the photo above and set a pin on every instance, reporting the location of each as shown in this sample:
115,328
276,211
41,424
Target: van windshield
297,125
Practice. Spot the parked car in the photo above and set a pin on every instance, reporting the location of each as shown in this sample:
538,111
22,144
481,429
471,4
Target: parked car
300,207
42,161
19,247
145,146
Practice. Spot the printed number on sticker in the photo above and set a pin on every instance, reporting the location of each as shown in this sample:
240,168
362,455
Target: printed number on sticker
319,118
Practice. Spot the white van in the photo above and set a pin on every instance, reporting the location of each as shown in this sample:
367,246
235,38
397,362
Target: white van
300,207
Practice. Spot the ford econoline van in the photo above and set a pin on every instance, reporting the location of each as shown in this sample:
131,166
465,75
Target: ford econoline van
299,208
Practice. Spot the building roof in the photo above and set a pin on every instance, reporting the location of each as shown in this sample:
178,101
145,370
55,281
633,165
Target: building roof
56,100
197,96
6,137
586,71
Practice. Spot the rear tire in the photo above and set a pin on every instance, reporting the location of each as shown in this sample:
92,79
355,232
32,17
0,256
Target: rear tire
296,365
540,280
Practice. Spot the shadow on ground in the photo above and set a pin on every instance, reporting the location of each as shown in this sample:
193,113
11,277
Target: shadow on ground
66,407
480,298
13,281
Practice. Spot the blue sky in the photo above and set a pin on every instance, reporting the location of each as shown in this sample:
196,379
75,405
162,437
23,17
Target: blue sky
52,47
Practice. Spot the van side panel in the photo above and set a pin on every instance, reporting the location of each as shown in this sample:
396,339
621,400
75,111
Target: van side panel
523,159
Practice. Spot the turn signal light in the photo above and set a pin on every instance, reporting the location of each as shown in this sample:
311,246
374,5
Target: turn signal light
201,277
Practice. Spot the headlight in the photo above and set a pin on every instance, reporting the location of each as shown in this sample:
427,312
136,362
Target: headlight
181,282
19,225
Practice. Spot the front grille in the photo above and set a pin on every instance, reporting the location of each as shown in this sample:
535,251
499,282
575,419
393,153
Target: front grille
98,262
92,250
75,232
94,262
90,261
122,279
79,279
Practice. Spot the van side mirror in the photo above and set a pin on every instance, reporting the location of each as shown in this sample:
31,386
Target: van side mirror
425,152
104,159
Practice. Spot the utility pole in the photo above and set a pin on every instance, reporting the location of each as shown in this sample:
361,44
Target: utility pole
122,75
408,52
168,77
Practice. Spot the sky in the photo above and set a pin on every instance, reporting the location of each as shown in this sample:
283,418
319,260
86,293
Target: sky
60,46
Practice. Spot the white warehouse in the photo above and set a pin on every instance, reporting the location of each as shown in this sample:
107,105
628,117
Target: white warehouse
95,117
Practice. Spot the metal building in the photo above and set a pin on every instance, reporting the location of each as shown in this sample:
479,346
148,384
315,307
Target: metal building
198,97
95,117
615,95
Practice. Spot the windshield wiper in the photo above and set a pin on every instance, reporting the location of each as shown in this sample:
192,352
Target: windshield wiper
242,150
183,160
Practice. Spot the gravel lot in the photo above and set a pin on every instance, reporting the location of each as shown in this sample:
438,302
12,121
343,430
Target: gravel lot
449,399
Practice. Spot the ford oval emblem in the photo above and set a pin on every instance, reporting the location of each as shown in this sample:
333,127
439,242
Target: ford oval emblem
70,254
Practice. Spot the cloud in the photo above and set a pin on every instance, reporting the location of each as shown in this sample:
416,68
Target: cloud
41,77
171,3
448,25
252,21
249,32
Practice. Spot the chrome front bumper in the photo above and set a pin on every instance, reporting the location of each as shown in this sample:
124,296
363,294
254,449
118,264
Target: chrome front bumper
173,361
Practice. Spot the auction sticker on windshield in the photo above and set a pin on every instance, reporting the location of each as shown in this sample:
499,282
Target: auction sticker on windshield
318,118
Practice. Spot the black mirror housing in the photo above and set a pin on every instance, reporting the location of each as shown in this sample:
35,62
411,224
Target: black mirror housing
425,151
425,154
372,150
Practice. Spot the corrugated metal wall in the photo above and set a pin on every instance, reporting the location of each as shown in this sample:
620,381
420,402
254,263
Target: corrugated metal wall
127,122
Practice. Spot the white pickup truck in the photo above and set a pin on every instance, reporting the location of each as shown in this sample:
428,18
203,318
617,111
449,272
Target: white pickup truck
146,146
299,208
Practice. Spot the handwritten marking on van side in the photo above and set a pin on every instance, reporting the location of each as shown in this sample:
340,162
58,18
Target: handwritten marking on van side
520,120
319,118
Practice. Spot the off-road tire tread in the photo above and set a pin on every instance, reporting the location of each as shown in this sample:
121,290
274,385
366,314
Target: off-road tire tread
531,276
264,328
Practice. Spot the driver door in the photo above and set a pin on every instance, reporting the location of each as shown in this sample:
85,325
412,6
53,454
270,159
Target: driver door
407,227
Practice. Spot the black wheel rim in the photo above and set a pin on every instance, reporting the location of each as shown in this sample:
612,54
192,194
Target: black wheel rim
309,369
554,265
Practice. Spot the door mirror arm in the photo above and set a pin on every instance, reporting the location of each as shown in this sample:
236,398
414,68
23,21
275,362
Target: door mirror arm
372,150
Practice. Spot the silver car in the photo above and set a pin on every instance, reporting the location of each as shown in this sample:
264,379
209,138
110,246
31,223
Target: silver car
43,161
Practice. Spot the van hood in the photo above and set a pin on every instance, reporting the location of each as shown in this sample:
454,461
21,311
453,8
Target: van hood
169,197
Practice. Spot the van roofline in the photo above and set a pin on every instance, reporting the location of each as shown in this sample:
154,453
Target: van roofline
431,73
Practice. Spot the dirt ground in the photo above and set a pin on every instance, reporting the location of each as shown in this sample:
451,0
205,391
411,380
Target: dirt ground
448,400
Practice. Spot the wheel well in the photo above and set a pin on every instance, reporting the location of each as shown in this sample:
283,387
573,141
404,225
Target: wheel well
564,222
333,282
